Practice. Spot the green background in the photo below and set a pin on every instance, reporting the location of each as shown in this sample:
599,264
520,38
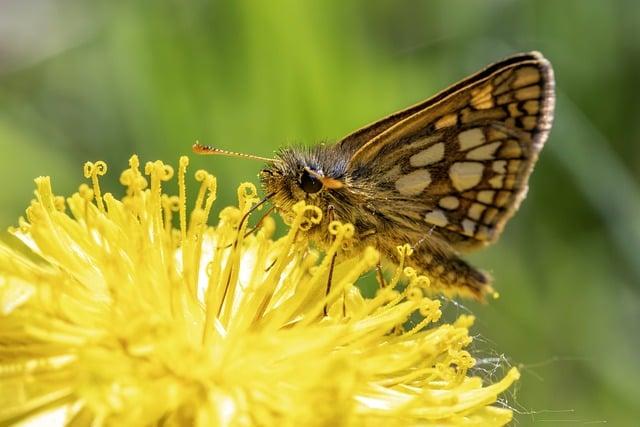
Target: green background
102,80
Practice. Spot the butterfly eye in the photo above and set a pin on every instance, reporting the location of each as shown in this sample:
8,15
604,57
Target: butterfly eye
310,184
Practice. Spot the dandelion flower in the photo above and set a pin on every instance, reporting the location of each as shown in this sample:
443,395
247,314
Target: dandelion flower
117,317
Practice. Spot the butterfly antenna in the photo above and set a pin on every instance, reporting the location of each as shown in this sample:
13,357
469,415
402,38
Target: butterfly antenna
213,151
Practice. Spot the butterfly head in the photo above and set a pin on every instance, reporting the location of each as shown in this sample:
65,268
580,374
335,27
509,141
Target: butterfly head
312,175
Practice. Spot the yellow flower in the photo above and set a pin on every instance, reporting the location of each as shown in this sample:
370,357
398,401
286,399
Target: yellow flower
118,318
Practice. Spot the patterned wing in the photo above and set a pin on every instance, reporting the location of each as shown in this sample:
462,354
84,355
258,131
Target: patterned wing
464,156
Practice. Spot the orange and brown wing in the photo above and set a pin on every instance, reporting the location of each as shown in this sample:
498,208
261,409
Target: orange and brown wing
465,155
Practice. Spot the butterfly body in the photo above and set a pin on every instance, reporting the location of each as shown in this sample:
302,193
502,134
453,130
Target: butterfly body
444,175
382,217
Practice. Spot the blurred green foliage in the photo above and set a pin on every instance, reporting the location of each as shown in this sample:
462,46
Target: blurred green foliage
102,80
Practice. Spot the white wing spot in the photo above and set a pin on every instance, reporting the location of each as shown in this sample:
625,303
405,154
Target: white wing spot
436,217
486,152
471,138
449,202
413,183
433,154
468,227
465,175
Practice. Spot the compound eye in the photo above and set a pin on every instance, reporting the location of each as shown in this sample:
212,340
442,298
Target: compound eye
309,183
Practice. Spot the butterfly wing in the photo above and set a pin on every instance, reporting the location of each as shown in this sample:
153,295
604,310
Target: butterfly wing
464,156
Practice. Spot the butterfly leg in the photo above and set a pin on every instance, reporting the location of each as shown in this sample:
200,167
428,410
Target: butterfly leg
333,263
331,217
451,274
380,276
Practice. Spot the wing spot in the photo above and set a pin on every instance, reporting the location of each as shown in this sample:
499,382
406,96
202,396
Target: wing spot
392,173
486,152
413,183
465,175
486,196
497,181
471,138
484,233
481,98
505,98
494,134
502,87
490,215
529,122
421,142
511,149
501,78
468,227
513,110
514,166
433,154
491,114
436,217
447,121
532,107
475,211
449,202
499,166
526,76
529,92
503,198
404,150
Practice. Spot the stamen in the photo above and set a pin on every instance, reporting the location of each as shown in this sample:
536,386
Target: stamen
157,172
208,182
182,196
170,204
135,183
93,170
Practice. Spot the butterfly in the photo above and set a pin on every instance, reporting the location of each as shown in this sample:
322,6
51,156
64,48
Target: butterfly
444,175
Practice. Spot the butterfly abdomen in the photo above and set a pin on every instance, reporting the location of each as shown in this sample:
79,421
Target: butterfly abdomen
450,274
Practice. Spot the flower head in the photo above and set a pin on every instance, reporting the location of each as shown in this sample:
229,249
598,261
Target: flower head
119,318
